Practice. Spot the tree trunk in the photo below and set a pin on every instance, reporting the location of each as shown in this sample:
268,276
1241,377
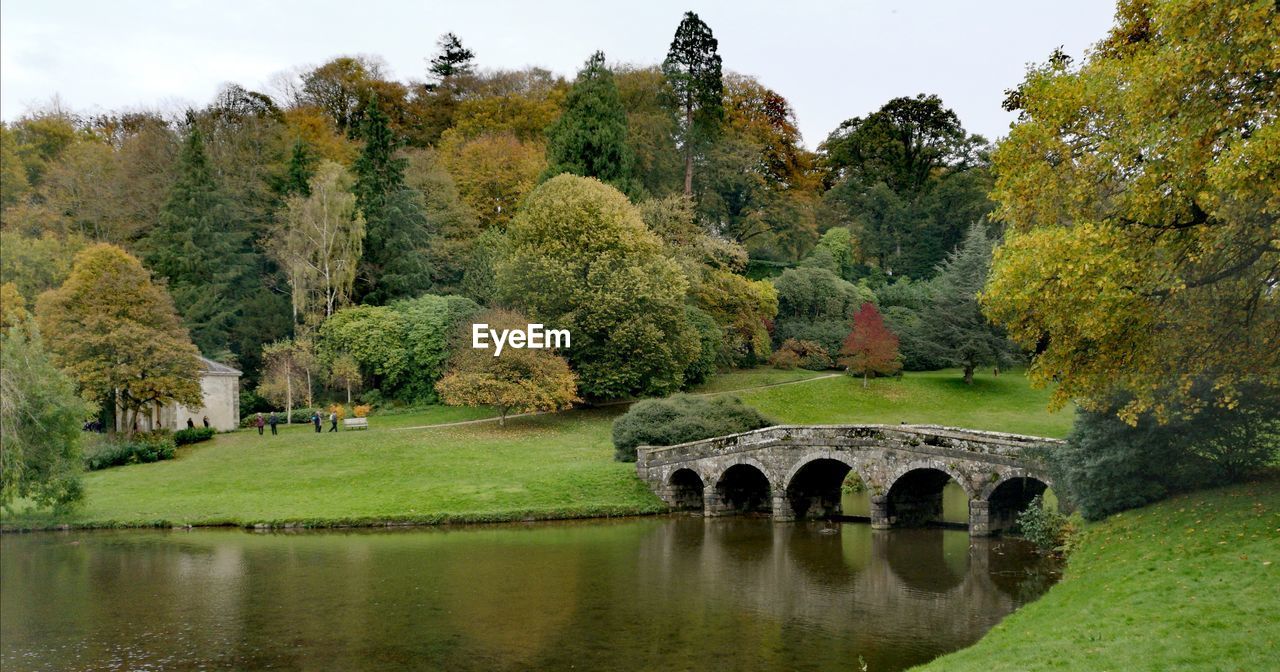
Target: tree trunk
348,393
502,417
688,151
864,379
968,374
288,399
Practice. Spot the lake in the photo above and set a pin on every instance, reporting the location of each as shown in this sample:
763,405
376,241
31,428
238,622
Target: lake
669,593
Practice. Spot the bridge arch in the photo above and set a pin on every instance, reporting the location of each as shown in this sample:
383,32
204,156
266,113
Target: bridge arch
1010,495
913,494
685,490
742,486
813,485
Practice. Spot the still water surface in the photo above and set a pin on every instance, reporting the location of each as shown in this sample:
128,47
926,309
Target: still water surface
668,593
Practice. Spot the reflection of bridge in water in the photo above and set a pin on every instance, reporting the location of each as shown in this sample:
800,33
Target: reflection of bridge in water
796,472
891,585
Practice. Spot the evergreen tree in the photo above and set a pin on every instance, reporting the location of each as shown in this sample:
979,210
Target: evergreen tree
958,331
452,60
693,70
590,137
396,229
299,171
199,247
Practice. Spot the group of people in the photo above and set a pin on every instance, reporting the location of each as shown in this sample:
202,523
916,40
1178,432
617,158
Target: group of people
192,425
274,419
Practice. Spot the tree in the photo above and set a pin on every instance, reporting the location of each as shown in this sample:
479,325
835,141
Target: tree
494,172
117,334
319,245
198,248
693,71
870,348
590,137
524,380
1139,192
285,371
431,324
374,337
579,257
452,60
344,371
958,331
814,304
40,422
743,307
395,229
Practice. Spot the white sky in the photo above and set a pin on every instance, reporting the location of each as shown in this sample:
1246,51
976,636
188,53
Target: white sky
832,60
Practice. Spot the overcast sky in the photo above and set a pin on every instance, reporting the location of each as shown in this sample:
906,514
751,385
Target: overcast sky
832,60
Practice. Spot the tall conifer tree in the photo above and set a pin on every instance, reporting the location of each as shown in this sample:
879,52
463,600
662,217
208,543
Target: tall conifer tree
693,70
590,137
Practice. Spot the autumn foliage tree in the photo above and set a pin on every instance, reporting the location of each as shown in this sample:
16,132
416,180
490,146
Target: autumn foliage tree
524,380
1140,194
118,335
871,348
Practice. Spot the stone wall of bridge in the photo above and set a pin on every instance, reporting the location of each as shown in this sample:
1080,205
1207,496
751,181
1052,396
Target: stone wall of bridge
796,471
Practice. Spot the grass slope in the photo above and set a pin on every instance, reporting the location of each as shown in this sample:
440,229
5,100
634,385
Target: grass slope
1187,584
549,466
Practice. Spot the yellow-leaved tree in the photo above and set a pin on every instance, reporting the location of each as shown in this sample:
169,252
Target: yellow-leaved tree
113,330
523,380
1141,192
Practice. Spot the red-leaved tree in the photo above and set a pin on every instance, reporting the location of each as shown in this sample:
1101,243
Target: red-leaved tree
871,348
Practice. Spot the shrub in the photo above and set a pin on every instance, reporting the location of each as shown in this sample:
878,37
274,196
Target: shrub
1109,466
785,359
1045,527
141,449
681,418
193,435
362,410
805,354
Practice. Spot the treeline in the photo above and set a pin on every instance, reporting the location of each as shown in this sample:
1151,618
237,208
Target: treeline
268,217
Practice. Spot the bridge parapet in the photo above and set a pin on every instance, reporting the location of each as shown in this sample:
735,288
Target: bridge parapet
785,456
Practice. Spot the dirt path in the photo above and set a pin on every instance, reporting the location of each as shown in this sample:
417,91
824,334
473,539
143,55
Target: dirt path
620,403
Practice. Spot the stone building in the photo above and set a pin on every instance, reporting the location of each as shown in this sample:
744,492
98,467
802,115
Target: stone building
220,387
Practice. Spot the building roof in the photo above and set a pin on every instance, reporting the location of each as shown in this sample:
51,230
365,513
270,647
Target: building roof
214,368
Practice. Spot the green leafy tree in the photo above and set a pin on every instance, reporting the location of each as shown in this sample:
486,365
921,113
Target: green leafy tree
590,137
693,72
40,422
1139,192
396,236
344,372
199,248
116,333
961,335
286,375
374,336
319,244
579,257
815,304
524,380
431,325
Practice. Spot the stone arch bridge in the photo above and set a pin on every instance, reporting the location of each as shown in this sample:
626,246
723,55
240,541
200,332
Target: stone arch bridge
797,471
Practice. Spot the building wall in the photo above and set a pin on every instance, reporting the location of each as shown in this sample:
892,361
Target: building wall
221,404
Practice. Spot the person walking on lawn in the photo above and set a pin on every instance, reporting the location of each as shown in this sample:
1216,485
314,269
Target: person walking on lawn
258,423
315,419
333,421
274,420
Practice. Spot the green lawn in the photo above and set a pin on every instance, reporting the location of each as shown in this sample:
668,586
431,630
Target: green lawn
1187,584
547,466
1005,403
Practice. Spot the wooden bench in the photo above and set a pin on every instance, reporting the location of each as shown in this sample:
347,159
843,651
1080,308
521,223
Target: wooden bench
355,423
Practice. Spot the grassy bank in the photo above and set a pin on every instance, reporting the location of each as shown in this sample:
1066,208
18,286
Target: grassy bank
549,466
1187,584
